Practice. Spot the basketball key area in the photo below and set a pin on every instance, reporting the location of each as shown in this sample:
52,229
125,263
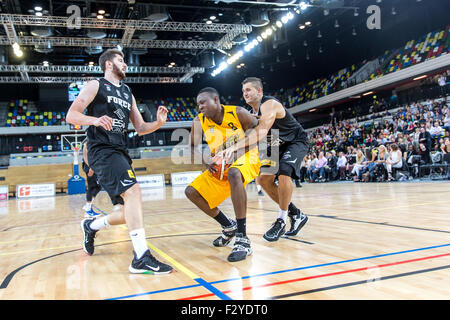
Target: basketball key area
361,242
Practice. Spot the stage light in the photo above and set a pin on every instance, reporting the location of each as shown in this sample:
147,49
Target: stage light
303,5
421,77
279,24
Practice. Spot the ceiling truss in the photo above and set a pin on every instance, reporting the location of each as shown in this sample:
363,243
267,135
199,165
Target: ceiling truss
228,31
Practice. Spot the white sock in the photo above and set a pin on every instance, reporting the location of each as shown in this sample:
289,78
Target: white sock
87,206
282,214
139,242
99,223
258,187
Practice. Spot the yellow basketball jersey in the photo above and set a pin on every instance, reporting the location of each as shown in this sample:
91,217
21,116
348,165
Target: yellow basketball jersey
226,134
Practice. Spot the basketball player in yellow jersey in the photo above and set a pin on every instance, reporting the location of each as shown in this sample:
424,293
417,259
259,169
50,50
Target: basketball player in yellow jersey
223,126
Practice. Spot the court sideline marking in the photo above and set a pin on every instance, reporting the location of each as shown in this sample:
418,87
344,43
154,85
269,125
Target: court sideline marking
287,270
320,276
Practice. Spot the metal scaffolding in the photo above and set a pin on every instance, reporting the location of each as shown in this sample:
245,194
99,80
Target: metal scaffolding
230,31
227,33
134,43
97,69
53,21
16,79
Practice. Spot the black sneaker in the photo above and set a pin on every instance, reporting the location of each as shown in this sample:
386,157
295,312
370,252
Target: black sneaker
88,236
260,193
227,235
298,220
241,248
276,231
148,264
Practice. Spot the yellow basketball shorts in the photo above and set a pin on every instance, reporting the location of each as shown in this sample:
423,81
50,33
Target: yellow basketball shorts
216,191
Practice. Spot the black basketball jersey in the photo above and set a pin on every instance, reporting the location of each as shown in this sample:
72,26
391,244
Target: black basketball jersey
289,129
115,102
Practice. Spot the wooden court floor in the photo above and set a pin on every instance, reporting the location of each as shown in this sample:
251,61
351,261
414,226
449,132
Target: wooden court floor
362,241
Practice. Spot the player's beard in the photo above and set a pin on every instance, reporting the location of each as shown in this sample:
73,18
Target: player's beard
118,73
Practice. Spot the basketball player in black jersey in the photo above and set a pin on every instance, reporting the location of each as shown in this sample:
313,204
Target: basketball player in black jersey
110,106
284,132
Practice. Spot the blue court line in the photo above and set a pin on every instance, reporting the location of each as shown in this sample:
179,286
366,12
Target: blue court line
153,292
208,286
284,271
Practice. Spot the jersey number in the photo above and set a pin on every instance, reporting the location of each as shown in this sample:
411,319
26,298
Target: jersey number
232,126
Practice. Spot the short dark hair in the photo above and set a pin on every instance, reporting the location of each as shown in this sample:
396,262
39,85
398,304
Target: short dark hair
257,82
108,55
213,92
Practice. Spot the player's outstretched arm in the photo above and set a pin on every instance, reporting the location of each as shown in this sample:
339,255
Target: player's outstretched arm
256,134
142,127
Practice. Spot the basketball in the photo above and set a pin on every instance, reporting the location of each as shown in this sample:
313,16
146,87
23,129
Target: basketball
222,168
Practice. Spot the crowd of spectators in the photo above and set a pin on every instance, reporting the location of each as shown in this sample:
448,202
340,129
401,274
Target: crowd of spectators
386,148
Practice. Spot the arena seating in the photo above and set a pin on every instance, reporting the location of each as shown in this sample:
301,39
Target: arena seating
22,114
429,46
180,109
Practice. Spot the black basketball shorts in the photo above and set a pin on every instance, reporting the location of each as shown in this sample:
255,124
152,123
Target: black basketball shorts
289,154
114,171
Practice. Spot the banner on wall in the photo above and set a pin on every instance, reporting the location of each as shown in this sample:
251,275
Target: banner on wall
4,193
151,181
184,178
35,190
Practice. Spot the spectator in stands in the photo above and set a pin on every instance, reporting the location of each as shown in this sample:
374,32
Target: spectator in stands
407,155
410,126
446,126
442,84
342,165
424,154
379,168
425,138
304,167
394,160
311,166
436,130
371,156
358,166
331,170
320,168
445,147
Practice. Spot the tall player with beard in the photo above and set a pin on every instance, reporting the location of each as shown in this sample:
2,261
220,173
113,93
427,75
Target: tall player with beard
110,107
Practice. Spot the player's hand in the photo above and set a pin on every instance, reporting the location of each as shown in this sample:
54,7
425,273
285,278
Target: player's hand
90,173
228,154
105,122
161,114
212,168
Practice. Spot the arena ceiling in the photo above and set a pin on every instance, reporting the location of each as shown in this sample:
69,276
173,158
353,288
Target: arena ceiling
187,40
